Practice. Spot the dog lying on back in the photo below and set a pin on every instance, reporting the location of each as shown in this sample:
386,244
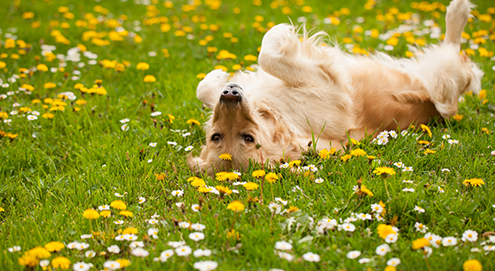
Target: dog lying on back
301,88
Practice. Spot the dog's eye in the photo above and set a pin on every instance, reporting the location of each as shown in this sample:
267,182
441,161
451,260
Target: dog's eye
215,137
248,138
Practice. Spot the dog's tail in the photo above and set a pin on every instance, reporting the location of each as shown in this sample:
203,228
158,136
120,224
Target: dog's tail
458,13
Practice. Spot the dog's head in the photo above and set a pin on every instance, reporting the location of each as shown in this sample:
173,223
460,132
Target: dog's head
243,132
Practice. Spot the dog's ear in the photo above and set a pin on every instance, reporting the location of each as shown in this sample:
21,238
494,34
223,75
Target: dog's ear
196,164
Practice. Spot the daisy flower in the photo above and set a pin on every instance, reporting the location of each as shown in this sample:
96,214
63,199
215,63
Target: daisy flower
420,227
140,252
183,251
419,209
393,262
205,265
382,249
449,241
282,245
184,225
152,144
113,249
196,236
176,244
141,200
353,254
470,236
311,257
202,252
177,193
198,227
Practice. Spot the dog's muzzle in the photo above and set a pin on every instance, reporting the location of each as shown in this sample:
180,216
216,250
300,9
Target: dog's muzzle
232,93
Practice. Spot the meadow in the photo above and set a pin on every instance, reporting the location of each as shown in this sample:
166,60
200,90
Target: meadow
98,113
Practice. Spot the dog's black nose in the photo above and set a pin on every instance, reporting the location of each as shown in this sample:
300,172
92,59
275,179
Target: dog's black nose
231,93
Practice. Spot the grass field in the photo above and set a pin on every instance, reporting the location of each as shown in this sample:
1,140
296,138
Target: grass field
98,113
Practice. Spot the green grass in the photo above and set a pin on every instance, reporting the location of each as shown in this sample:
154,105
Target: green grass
57,168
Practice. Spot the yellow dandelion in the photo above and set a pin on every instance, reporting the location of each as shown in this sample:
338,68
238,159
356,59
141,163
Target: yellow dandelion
123,263
130,230
225,157
458,117
384,230
236,206
345,157
258,173
223,190
426,129
193,122
358,152
54,246
250,186
324,154
149,79
473,182
118,204
126,213
40,253
61,263
204,189
91,214
271,177
428,151
472,265
420,243
384,171
105,213
142,66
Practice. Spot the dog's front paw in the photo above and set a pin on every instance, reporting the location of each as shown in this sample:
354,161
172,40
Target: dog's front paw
217,76
280,40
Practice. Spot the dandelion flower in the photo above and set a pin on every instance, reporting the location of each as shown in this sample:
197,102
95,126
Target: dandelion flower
149,79
225,157
271,177
61,262
54,246
384,171
236,206
142,66
472,265
473,182
258,173
91,214
250,186
118,204
384,230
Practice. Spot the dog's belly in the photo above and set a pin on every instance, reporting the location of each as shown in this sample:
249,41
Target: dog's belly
386,99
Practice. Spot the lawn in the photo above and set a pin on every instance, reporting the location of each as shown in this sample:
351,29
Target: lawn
98,112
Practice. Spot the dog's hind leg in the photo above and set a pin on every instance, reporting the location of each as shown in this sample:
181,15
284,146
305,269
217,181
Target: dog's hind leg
296,63
210,88
445,73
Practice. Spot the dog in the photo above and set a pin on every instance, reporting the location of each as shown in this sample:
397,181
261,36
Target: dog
302,91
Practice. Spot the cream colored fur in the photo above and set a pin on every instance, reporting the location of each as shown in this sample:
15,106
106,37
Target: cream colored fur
302,88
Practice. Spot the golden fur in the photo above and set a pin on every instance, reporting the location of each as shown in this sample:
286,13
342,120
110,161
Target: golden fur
303,89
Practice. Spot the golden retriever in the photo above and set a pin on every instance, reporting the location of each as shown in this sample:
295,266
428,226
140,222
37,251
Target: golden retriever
302,88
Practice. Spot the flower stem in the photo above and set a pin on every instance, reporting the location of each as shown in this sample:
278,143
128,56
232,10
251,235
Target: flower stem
386,187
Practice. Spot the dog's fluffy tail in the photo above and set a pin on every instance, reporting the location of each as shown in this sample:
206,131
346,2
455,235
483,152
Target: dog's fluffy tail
458,13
